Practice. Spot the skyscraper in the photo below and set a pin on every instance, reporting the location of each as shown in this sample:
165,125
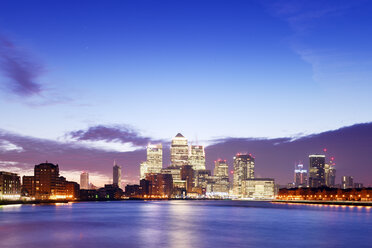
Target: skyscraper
154,161
116,175
221,168
84,180
330,175
243,169
316,171
300,176
197,157
179,151
347,182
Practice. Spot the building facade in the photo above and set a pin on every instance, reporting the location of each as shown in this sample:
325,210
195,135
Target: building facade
258,188
47,182
179,151
28,186
330,175
84,180
347,182
116,177
221,168
317,171
243,169
154,161
10,186
300,176
197,157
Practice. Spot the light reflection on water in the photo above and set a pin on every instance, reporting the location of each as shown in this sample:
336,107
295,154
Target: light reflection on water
183,224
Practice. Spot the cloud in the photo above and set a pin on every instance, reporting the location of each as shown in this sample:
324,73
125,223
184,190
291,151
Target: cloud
21,70
8,146
115,133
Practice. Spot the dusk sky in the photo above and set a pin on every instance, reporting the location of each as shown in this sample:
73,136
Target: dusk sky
85,82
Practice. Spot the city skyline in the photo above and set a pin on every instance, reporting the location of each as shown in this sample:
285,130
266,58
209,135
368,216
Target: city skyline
273,78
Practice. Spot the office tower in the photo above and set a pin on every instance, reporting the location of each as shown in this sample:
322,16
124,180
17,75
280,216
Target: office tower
179,151
347,182
116,175
84,180
28,185
300,176
221,168
197,157
159,184
243,169
330,175
10,186
154,161
47,182
187,174
258,188
316,171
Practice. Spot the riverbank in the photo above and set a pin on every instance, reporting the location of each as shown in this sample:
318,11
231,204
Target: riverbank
338,203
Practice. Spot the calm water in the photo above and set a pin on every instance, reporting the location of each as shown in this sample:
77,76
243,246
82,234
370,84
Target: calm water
184,224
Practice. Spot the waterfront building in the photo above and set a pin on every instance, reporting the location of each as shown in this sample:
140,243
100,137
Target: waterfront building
179,151
347,182
28,186
72,190
116,175
84,180
10,186
330,175
160,185
176,176
258,188
300,176
154,161
187,174
243,169
316,171
197,157
47,182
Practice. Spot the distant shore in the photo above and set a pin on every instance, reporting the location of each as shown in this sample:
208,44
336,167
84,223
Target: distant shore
338,203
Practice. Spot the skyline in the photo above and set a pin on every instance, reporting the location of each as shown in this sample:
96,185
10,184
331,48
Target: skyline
82,87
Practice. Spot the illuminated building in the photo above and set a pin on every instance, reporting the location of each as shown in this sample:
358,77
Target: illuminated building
179,151
201,178
72,190
84,180
160,184
330,175
10,186
347,182
116,175
47,182
243,169
187,174
154,162
300,176
258,188
176,176
221,168
316,171
28,185
197,157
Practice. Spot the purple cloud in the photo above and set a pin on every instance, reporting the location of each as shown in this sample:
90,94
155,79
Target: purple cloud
117,133
21,70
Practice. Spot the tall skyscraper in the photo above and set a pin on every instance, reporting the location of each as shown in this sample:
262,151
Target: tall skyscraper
154,161
179,151
84,180
330,175
116,175
197,157
300,176
221,168
243,169
316,171
347,182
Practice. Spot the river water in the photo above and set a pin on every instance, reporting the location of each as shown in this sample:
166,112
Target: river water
184,224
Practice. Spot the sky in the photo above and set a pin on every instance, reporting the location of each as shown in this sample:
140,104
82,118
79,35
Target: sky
101,79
